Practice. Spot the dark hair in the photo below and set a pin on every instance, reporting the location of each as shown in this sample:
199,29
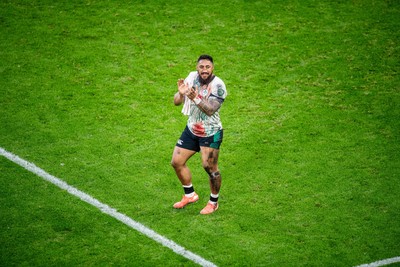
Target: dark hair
206,57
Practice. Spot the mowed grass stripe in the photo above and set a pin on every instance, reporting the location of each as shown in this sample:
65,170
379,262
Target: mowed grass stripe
106,209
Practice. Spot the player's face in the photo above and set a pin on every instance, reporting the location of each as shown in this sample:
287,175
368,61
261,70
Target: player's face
205,68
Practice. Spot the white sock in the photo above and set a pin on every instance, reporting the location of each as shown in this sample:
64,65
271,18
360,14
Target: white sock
191,194
213,196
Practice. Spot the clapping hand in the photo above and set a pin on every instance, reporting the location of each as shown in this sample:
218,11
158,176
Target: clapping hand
182,87
192,93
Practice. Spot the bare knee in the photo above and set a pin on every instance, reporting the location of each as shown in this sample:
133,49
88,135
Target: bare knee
211,170
215,175
207,167
210,160
175,164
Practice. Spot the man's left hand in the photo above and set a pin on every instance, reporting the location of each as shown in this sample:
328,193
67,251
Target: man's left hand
192,93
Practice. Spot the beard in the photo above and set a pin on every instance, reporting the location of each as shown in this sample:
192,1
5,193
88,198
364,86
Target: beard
206,81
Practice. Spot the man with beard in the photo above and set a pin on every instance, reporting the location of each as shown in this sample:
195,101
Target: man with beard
202,94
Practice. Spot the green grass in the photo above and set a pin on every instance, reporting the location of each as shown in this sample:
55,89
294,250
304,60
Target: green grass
310,160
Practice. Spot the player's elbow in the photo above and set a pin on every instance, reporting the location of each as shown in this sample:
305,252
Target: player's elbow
178,99
177,102
209,112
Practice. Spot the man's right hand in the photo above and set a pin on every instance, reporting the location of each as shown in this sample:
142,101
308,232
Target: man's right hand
182,87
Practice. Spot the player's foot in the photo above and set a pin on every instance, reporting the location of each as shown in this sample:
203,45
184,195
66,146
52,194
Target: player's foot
185,201
210,208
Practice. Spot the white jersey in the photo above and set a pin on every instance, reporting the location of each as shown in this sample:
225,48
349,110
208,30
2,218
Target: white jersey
199,123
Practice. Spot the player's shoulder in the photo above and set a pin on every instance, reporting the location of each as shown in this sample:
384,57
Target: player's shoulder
218,83
191,78
193,75
218,80
220,87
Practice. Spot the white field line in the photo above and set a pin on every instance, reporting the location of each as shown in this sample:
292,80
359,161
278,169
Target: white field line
106,209
381,262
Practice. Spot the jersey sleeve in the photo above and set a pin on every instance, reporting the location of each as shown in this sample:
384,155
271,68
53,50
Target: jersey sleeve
219,90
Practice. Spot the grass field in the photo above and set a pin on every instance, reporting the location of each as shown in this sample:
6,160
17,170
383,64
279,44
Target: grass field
310,160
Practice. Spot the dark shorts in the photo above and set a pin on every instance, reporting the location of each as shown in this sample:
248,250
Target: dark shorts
192,142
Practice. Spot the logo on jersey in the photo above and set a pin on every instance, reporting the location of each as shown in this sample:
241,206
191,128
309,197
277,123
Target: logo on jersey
220,91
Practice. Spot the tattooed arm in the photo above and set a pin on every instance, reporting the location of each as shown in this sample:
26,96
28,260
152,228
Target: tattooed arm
208,106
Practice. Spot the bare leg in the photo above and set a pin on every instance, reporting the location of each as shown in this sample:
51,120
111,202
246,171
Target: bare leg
179,158
178,162
209,158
